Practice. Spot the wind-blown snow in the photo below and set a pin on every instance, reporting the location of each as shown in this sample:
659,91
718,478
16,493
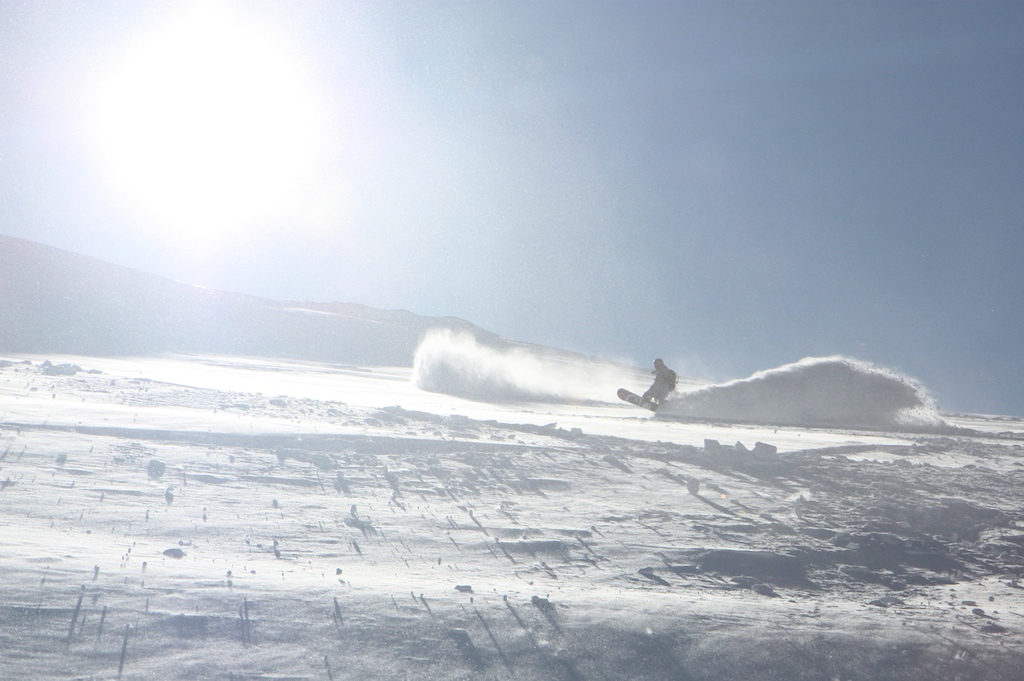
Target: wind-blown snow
816,391
457,364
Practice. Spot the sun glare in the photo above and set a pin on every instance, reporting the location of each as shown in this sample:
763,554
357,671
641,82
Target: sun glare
207,127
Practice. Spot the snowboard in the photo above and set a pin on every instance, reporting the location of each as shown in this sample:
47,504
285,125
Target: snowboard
633,398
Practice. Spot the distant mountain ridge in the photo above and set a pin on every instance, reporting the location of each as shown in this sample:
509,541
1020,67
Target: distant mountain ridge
56,301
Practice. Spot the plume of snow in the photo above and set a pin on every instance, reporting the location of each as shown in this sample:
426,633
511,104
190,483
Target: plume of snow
455,363
816,391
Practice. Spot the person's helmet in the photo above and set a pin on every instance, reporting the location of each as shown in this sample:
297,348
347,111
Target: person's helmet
658,362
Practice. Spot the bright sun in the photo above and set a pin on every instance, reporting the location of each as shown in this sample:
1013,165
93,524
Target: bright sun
207,127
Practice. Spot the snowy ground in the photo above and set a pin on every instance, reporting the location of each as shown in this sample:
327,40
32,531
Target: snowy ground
225,518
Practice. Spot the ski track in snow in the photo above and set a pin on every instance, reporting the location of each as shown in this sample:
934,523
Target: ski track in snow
299,524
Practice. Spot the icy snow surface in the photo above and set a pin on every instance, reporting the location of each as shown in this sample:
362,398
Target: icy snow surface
233,518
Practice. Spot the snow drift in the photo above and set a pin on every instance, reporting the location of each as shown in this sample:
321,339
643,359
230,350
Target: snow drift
816,391
458,364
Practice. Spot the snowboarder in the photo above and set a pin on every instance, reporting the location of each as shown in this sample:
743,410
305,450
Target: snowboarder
664,383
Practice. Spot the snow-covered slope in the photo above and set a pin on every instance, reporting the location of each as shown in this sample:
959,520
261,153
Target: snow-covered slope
227,518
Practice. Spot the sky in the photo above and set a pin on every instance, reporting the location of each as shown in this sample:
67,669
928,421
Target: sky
731,186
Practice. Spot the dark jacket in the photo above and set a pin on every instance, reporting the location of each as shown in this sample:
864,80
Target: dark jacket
664,383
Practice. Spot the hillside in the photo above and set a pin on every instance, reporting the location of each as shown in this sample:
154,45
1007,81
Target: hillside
55,301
